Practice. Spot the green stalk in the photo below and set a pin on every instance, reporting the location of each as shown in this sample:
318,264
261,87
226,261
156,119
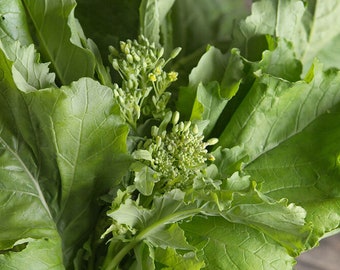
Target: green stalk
121,254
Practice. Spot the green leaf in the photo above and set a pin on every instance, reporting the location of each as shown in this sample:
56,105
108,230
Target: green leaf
166,210
241,201
145,177
280,61
232,246
308,164
13,23
102,71
88,149
42,254
152,14
284,19
60,39
294,153
28,73
212,83
211,67
281,108
233,75
157,225
208,105
26,222
144,257
283,222
172,260
318,39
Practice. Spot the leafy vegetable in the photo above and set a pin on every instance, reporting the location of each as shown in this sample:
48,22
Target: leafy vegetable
172,140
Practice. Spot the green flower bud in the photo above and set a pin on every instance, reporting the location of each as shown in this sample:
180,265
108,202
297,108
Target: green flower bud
122,45
160,52
113,51
129,58
187,126
130,84
175,52
175,118
212,141
115,64
135,56
154,131
158,141
195,129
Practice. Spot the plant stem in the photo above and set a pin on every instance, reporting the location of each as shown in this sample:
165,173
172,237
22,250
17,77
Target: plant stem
121,254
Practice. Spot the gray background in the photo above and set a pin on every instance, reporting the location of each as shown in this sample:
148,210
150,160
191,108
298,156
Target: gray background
324,257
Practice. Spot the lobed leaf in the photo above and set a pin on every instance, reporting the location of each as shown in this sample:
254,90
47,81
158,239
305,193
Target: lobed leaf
60,39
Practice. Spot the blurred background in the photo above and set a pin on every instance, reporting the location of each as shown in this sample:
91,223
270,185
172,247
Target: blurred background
324,257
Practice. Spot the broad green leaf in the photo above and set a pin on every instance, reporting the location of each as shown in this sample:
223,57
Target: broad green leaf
281,108
305,169
13,23
211,67
310,19
89,146
319,39
26,216
232,246
287,137
30,75
20,121
59,38
25,212
164,6
284,21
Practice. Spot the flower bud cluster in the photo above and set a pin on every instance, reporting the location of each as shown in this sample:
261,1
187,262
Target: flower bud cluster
178,153
140,64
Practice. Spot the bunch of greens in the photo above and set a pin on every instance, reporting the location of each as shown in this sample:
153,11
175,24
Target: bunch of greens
185,134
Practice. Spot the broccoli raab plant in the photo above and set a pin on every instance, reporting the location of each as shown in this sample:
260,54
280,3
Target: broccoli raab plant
186,134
